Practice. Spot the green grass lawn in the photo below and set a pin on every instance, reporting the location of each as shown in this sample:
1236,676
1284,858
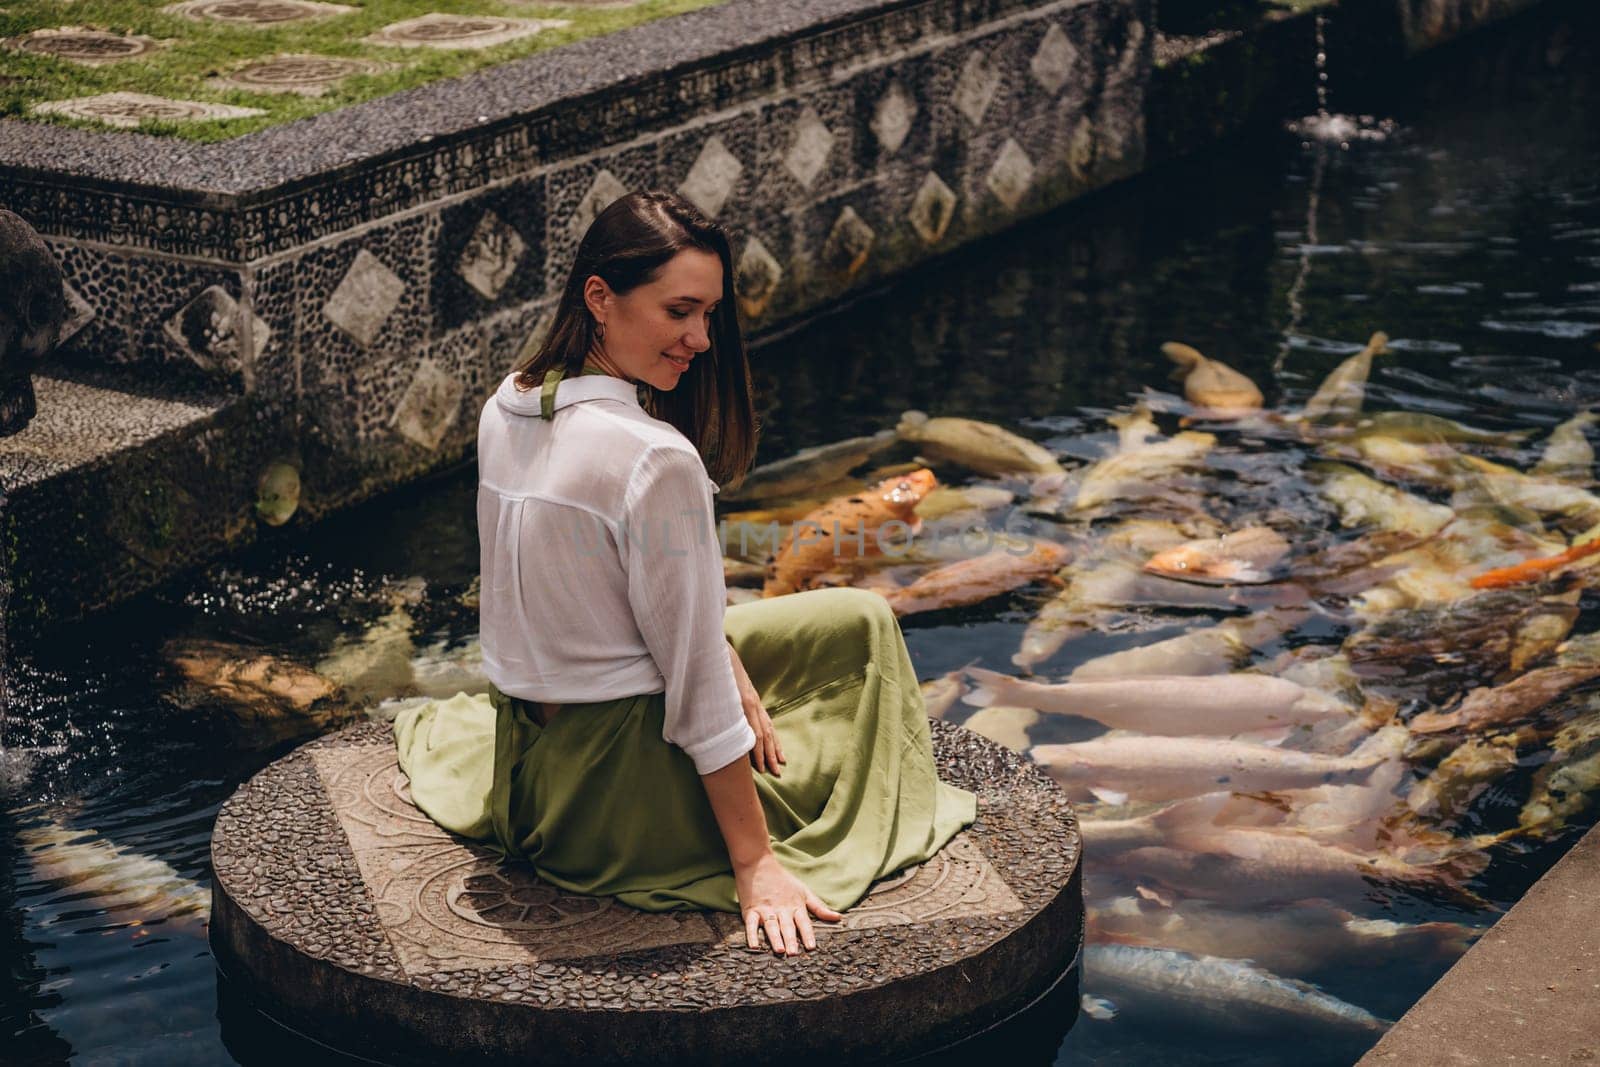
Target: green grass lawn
194,52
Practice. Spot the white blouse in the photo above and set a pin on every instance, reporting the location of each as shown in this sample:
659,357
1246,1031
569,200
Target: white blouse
601,566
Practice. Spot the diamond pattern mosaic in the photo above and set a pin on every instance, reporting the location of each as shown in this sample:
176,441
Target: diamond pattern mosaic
809,153
891,122
712,178
366,296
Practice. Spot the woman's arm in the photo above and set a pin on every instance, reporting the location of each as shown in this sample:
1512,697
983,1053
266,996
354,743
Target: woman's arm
768,753
675,587
769,896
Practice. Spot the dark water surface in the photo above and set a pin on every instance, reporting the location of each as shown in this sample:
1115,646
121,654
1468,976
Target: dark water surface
1472,237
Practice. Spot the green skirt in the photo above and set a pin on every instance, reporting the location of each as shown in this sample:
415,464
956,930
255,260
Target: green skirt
599,803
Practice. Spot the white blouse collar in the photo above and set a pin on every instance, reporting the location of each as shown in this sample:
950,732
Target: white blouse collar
595,387
569,391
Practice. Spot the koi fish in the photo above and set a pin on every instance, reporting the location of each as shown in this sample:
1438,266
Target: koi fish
1244,867
940,694
979,446
129,886
1006,726
1422,427
808,468
1364,501
1462,775
1218,705
1495,483
1212,384
971,500
971,581
1531,570
1211,650
1507,703
846,529
1170,768
1226,993
1292,939
1135,468
1342,392
256,685
1568,455
1244,556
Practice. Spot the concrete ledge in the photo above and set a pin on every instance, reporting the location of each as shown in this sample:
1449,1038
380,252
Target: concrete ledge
110,491
1527,992
349,917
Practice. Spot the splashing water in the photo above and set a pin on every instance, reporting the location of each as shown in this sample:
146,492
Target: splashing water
1330,129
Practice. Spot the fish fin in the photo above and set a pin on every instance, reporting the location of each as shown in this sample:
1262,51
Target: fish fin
990,685
1155,896
1047,484
1097,1008
1247,574
1272,737
1108,796
979,696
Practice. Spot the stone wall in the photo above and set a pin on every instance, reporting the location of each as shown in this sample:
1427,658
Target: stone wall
1428,23
378,303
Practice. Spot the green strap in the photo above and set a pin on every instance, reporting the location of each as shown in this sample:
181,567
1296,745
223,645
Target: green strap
547,395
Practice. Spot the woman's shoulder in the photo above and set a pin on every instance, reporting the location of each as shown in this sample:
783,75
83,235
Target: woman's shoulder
636,428
667,465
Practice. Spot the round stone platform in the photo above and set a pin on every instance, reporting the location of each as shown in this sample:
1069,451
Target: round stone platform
345,914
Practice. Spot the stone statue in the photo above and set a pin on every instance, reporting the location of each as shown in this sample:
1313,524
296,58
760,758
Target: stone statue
33,305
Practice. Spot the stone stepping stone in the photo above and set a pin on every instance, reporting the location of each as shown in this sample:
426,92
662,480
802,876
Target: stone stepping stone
127,110
256,12
345,913
459,31
305,75
90,48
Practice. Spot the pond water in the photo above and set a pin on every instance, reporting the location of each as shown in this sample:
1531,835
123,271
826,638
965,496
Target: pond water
1472,237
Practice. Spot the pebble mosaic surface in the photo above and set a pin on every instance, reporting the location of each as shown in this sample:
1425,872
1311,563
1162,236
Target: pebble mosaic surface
212,69
325,851
81,423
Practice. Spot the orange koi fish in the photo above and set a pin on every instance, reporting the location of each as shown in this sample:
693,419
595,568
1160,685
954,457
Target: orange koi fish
1530,570
847,528
972,581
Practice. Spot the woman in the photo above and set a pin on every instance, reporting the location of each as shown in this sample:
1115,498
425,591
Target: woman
640,740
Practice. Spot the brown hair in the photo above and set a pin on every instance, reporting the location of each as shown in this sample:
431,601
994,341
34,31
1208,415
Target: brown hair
627,245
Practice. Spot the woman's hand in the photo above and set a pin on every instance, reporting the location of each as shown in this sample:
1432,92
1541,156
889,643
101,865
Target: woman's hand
768,753
775,901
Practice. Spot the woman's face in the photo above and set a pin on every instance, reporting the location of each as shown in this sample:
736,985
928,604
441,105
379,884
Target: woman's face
654,333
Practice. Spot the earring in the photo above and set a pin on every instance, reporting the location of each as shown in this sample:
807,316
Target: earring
599,331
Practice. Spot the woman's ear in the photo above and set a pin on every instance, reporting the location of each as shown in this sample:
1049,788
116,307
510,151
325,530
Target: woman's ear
597,297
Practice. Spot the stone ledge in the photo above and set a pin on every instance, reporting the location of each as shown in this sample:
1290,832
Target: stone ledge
807,37
307,917
1527,992
117,485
